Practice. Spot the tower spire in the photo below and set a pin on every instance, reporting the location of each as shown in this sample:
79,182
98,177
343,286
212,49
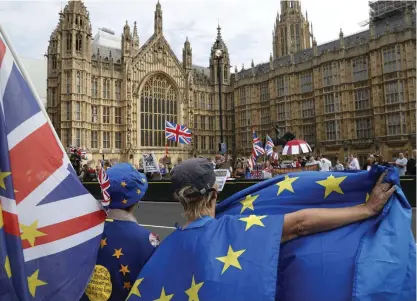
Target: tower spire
158,19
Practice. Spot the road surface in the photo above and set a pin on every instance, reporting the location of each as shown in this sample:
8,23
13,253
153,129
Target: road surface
161,218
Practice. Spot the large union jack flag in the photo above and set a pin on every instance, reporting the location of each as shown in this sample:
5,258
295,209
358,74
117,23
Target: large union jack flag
177,132
258,149
269,146
50,226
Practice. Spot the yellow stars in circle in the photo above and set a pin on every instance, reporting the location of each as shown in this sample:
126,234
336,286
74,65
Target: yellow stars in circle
123,184
192,292
3,175
34,282
286,184
253,220
138,191
124,201
30,233
103,242
118,253
231,259
164,297
135,288
332,185
124,270
247,203
7,267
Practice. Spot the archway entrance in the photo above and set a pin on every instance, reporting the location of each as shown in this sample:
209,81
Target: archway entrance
158,103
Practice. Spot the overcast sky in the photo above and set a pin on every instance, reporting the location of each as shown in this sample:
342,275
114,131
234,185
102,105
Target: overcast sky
246,24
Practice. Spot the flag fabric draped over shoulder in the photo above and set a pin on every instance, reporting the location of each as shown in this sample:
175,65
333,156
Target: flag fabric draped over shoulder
233,258
372,260
50,226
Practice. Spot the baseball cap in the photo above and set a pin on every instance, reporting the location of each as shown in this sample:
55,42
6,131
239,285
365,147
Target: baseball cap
127,186
196,172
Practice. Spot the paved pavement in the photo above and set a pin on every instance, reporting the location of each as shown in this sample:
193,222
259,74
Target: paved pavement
161,218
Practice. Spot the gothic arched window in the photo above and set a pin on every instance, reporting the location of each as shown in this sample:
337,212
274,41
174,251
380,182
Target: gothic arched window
158,101
69,41
68,82
53,62
78,82
78,43
105,89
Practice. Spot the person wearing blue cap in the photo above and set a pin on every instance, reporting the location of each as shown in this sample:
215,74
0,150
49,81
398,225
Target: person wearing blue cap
125,246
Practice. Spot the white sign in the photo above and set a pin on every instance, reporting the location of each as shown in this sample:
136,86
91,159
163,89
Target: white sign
149,163
221,177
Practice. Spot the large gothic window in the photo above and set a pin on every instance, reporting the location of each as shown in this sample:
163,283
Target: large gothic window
78,43
69,41
158,103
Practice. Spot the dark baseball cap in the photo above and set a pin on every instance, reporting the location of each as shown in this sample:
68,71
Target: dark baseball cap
197,172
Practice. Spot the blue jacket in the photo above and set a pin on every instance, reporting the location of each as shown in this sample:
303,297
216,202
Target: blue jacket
124,249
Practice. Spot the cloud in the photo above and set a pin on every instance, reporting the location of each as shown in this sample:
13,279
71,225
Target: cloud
246,25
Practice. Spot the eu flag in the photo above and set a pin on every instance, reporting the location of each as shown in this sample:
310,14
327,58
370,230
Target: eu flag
372,260
215,259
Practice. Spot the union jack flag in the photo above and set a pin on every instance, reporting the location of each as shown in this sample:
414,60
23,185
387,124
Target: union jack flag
177,132
258,149
50,226
269,146
104,182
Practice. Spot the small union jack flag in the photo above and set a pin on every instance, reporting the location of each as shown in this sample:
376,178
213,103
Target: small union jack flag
269,146
104,182
177,132
258,149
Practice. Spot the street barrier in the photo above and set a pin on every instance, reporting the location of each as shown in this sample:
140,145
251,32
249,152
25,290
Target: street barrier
161,191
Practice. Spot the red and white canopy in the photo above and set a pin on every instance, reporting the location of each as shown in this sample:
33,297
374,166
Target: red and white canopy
295,147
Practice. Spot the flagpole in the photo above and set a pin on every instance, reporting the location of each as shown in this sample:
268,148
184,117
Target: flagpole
30,84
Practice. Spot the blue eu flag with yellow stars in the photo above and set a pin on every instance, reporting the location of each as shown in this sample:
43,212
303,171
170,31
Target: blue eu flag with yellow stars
372,260
239,256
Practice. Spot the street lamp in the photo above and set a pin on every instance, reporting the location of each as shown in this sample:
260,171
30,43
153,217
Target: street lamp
219,55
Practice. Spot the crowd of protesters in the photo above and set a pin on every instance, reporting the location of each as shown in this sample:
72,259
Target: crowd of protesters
242,167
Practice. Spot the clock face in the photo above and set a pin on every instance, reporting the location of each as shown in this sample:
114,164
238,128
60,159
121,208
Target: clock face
218,53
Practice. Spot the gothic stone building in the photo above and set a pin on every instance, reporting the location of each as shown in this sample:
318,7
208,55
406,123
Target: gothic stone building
355,94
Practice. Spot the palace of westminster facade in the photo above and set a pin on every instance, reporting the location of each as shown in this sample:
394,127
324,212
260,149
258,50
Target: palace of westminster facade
356,94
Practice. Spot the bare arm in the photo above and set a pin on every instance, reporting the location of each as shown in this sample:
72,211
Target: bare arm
310,221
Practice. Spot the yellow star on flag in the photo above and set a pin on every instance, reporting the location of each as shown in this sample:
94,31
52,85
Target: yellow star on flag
34,282
164,297
248,202
143,180
138,191
231,259
192,292
124,270
367,197
127,285
3,175
135,288
1,218
7,267
30,233
332,184
118,253
253,220
123,184
103,242
286,184
124,201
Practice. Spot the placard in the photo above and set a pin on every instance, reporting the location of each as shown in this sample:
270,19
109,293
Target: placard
149,163
221,177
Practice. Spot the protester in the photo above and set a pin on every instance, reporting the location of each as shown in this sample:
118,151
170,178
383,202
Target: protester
411,164
125,246
353,163
195,188
338,166
239,170
326,164
401,164
369,163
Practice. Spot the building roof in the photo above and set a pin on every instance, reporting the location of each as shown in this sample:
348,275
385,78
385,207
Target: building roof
394,23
